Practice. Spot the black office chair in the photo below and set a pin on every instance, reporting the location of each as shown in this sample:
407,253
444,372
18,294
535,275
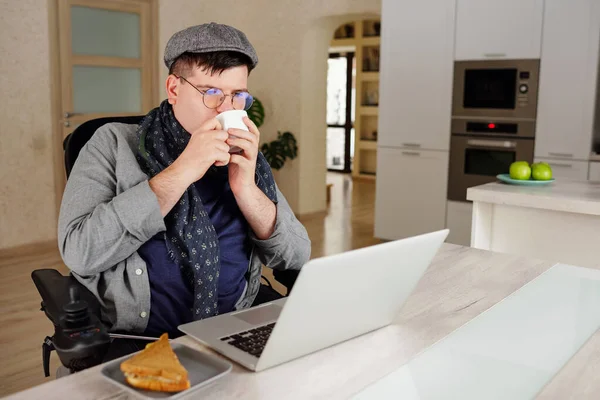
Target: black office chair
80,339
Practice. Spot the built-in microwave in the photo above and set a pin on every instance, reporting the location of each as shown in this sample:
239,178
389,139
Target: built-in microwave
496,89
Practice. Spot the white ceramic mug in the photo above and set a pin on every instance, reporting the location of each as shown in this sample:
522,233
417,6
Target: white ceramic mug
233,119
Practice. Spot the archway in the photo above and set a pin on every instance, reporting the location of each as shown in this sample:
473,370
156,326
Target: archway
313,127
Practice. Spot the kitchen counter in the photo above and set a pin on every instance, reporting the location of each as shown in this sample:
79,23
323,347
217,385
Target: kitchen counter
560,221
581,197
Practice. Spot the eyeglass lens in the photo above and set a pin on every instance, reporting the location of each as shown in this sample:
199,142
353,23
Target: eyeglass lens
213,98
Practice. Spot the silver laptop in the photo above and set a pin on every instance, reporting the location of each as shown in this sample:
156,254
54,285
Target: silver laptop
334,299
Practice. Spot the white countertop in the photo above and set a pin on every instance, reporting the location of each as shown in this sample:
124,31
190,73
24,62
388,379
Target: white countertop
581,197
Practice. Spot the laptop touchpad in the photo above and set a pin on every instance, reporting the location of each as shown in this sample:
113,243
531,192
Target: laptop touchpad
260,315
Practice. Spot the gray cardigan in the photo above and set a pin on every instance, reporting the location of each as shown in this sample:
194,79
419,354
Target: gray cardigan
108,211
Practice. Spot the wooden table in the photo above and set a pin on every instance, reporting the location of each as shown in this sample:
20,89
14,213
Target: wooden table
460,284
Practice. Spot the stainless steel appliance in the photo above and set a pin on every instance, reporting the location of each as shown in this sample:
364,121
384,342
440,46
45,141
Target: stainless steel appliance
481,149
496,89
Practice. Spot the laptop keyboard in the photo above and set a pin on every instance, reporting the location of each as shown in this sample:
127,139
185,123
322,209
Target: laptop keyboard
252,341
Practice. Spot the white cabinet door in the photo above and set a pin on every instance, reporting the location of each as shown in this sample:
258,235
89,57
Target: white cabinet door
458,220
508,29
594,174
568,77
415,93
410,193
567,169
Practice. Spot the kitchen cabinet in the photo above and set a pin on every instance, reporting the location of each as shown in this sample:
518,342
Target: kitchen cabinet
567,169
410,192
458,221
568,79
505,29
415,92
594,174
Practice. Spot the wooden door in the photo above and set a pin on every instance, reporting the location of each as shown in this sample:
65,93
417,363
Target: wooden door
104,55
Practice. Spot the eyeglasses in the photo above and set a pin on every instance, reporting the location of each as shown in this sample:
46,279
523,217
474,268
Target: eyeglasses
213,98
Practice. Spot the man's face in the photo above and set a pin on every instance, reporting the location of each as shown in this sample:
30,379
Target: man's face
187,101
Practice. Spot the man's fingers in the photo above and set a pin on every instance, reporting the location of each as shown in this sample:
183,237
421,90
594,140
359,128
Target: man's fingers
222,158
210,125
244,145
251,126
222,146
239,160
220,135
249,136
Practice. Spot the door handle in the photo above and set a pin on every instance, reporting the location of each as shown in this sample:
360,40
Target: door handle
411,144
68,114
411,153
503,144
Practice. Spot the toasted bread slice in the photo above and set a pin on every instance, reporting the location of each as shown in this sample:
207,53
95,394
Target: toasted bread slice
156,368
157,384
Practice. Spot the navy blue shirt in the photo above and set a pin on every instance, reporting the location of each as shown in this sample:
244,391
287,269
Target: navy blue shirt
171,297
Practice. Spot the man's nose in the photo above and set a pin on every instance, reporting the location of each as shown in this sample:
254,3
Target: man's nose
226,106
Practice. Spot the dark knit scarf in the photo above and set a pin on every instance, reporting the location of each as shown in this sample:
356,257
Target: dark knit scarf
190,236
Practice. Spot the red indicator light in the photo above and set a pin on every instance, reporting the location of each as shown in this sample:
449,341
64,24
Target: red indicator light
491,126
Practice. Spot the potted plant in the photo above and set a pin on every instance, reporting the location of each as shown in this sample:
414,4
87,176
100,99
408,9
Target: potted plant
278,151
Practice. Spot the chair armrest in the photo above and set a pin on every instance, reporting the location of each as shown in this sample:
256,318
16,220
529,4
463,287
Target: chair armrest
287,278
54,290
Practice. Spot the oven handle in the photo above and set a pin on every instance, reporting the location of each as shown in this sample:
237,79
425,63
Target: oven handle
503,144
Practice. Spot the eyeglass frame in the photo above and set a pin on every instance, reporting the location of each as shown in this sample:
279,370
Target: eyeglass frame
203,93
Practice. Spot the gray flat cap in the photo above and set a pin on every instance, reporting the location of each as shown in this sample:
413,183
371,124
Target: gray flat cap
206,38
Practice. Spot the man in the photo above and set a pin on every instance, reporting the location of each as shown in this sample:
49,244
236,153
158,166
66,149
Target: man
159,220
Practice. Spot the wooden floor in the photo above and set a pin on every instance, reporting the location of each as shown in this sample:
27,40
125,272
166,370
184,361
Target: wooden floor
347,225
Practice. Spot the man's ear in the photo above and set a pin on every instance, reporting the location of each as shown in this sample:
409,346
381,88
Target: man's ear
172,87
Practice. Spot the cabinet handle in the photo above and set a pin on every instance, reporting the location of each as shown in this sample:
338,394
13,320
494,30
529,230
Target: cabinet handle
561,165
567,155
495,55
411,153
411,144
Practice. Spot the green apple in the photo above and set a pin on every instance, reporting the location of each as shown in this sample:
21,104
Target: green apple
541,171
520,170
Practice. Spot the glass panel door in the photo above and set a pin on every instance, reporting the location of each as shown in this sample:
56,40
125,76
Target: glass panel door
106,59
340,111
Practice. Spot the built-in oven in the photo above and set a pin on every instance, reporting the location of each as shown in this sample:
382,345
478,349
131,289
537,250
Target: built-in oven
476,157
496,89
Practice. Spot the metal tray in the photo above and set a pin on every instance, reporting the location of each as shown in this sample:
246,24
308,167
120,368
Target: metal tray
202,369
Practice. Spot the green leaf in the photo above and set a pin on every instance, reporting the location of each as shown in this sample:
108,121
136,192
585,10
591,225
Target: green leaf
273,154
256,113
288,144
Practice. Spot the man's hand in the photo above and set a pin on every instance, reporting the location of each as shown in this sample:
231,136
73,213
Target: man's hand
206,147
258,209
242,166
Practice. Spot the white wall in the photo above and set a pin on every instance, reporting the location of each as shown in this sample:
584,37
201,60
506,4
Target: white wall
291,39
27,211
